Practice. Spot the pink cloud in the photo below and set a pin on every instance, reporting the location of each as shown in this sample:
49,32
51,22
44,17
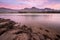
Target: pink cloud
53,6
14,6
31,3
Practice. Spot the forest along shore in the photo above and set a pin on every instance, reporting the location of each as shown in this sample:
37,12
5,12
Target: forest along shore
10,30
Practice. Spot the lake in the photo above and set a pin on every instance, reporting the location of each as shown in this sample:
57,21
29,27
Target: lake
48,20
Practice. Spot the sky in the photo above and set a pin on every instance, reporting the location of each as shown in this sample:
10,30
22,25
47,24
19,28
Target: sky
20,4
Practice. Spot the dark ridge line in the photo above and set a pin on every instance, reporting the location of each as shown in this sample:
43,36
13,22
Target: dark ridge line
3,32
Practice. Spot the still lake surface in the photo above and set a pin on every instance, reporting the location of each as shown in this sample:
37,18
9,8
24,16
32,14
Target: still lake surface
48,20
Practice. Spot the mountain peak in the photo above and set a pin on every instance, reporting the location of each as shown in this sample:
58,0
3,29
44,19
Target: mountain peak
31,8
34,8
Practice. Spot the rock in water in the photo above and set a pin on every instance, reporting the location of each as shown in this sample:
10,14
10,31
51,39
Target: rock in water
10,30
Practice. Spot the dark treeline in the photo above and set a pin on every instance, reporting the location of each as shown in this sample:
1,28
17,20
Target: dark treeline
42,12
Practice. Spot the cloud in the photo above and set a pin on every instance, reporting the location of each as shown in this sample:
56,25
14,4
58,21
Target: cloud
54,1
33,2
14,6
11,2
52,5
19,4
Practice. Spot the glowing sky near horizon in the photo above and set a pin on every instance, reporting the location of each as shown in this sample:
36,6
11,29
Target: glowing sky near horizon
19,4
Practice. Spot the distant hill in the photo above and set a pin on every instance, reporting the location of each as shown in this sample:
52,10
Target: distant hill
37,10
3,10
29,10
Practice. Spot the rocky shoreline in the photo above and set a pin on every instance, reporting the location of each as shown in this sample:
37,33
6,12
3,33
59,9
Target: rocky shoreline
10,30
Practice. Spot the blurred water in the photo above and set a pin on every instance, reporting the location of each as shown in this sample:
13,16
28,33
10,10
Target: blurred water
49,20
52,18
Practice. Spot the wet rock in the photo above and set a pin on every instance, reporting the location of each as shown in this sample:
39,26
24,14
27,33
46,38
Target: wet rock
22,36
47,30
5,25
10,30
58,36
7,36
46,37
16,26
2,30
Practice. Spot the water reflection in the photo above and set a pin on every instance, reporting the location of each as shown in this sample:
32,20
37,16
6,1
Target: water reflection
49,20
27,18
41,18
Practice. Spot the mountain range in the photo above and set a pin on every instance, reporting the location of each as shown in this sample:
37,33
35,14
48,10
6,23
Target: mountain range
37,10
7,10
30,10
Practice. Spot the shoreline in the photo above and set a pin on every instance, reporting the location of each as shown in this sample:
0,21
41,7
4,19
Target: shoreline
28,14
10,30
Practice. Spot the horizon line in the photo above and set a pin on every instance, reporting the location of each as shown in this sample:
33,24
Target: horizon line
28,7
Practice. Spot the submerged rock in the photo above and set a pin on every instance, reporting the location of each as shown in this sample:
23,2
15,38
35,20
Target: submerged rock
10,30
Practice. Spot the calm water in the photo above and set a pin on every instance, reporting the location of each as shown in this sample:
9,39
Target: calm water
48,20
